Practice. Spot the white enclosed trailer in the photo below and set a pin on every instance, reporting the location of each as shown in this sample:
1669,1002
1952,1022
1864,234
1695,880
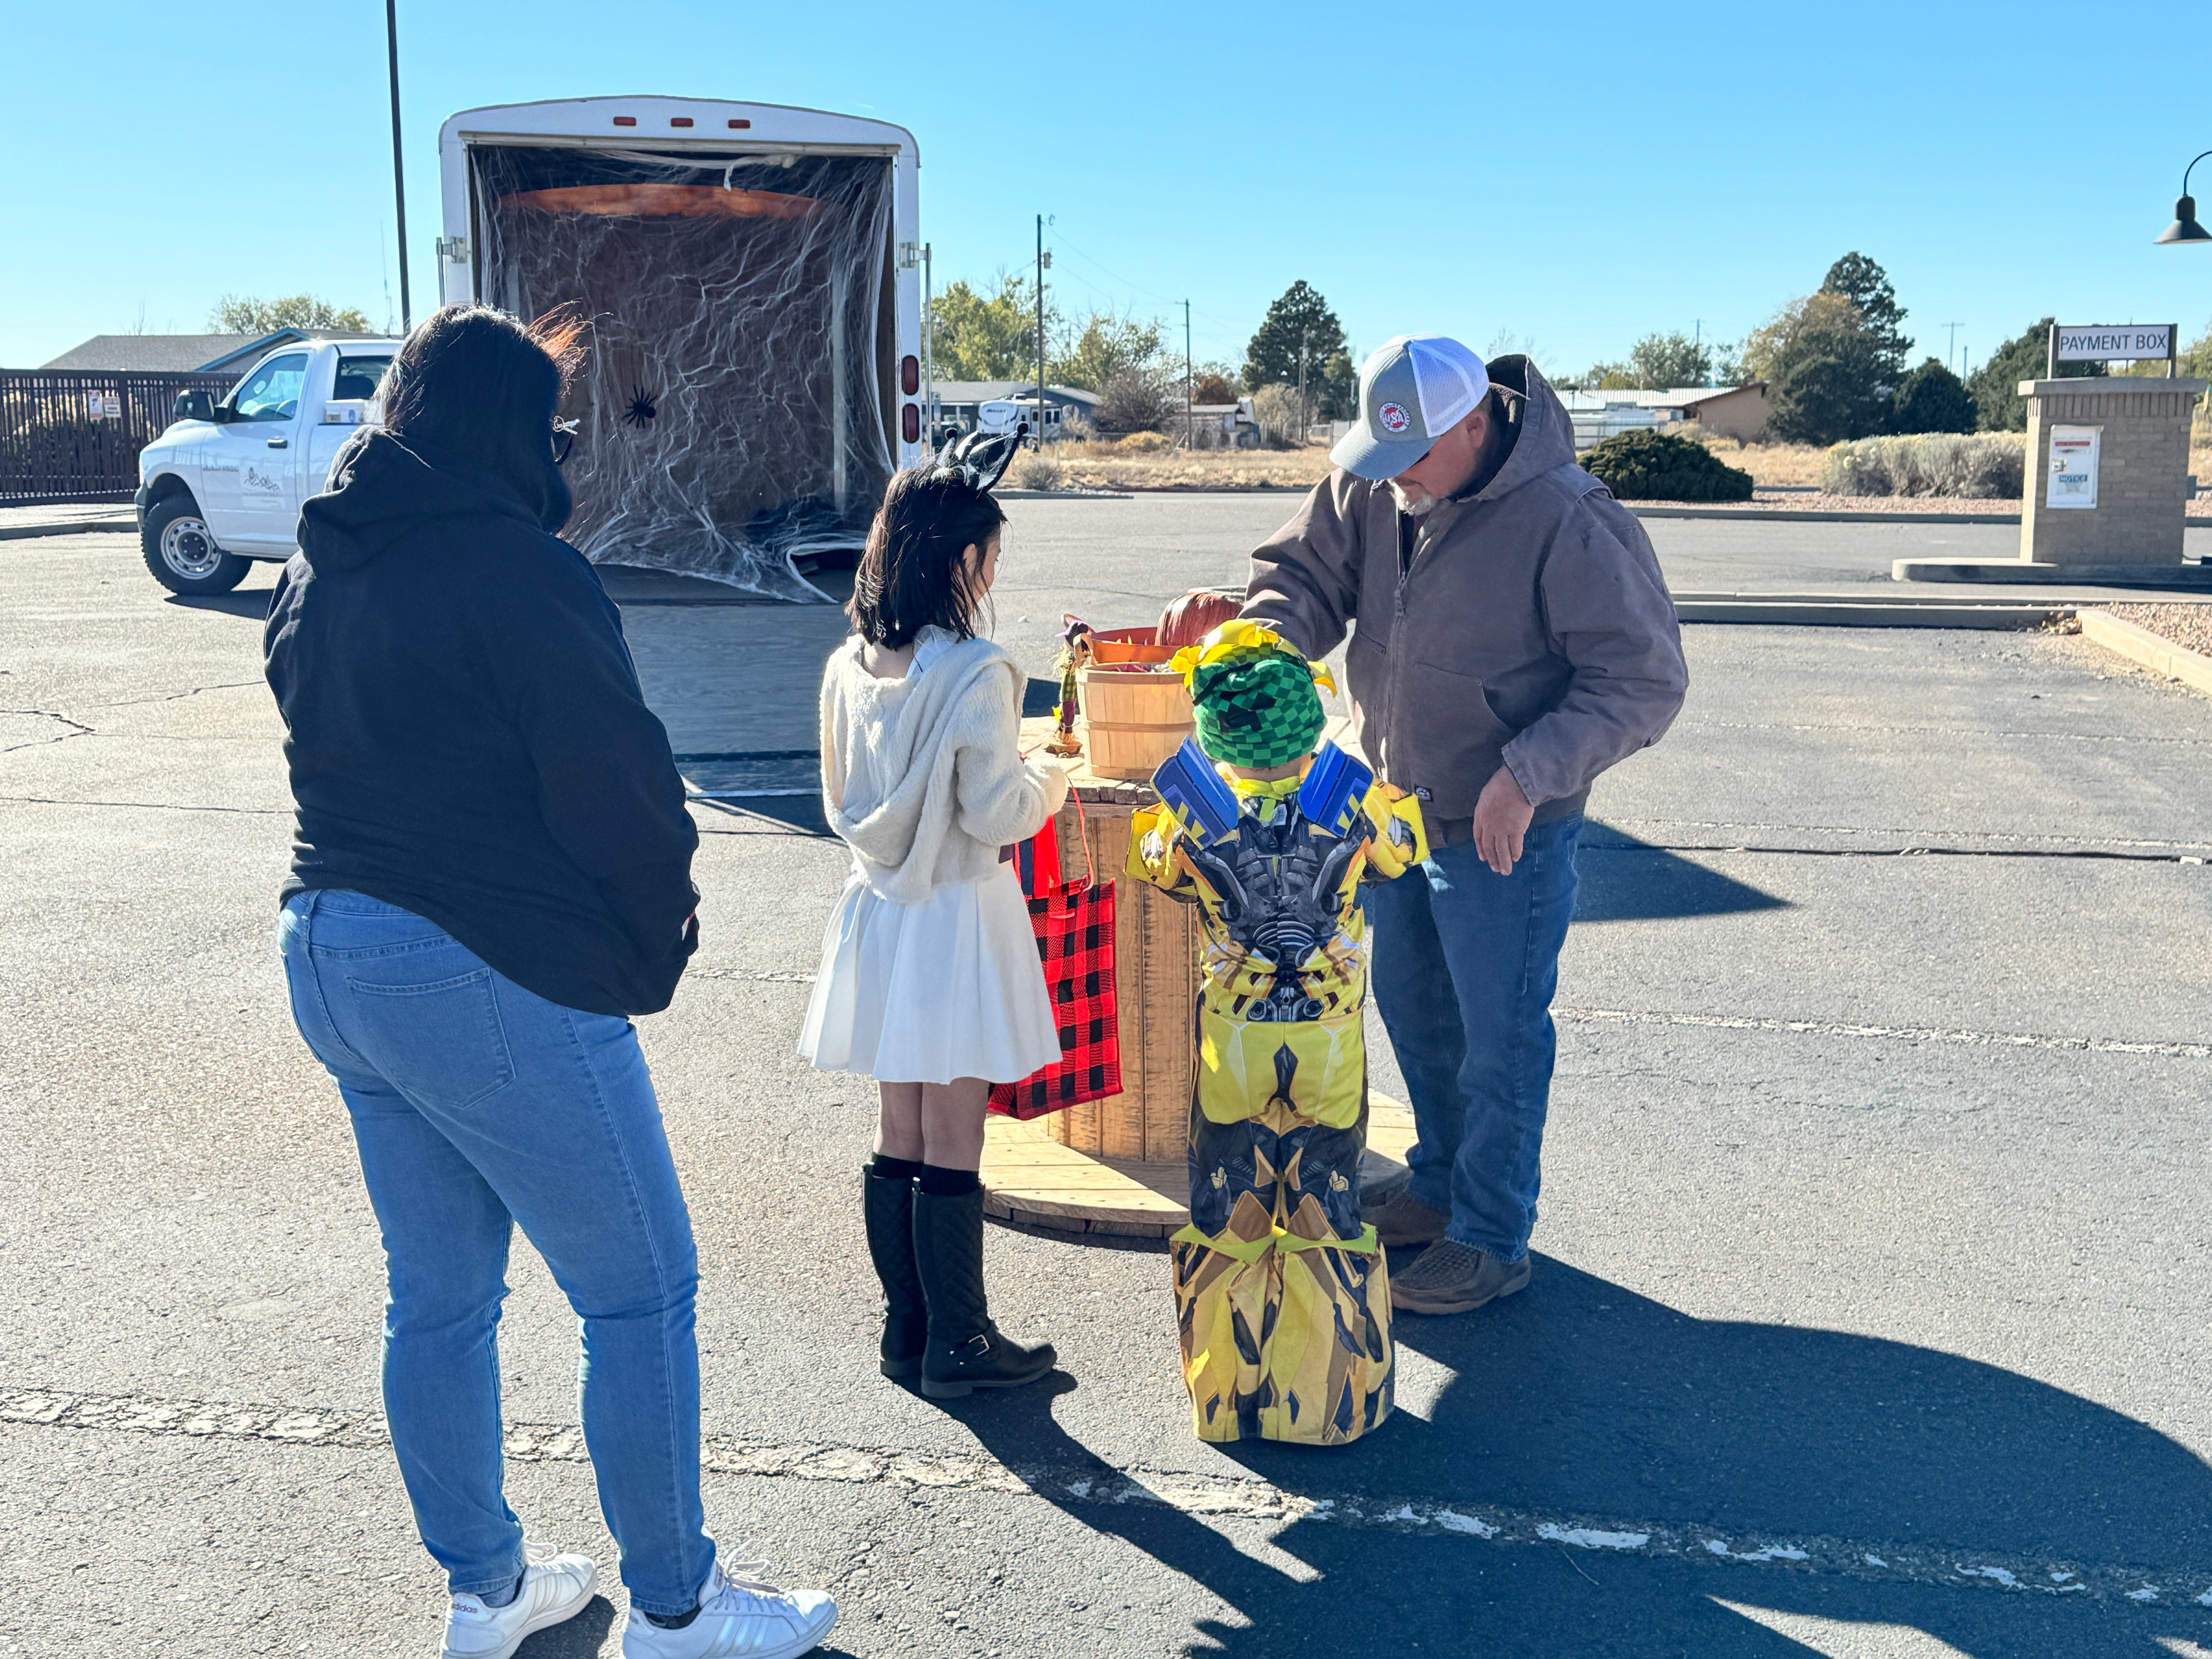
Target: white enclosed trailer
747,278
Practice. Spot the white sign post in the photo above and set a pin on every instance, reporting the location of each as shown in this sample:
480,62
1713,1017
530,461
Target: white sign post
2074,466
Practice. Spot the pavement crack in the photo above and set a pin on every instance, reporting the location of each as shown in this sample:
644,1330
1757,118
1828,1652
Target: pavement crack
1941,731
1919,836
146,806
175,696
1892,1033
77,728
1096,1483
2105,853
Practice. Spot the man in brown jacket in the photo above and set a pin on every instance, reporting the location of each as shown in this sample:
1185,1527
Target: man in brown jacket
1511,638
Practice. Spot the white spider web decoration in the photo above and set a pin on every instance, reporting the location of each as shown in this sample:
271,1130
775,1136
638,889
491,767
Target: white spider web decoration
731,410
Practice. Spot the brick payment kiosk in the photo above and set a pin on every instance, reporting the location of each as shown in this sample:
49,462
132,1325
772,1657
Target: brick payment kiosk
2105,491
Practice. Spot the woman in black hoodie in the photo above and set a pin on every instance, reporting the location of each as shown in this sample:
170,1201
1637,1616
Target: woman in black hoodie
490,874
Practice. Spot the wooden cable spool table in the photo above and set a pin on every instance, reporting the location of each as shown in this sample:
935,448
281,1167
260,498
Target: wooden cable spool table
1119,1165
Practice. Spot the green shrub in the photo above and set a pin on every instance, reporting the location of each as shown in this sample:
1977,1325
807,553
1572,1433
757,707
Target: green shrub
1932,398
1981,466
1648,465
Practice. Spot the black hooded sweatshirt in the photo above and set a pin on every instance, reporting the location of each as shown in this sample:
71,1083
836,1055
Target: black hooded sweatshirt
466,736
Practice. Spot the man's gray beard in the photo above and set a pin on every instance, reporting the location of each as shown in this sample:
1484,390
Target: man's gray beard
1414,505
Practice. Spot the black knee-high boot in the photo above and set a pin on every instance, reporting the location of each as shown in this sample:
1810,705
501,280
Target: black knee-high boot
966,1350
888,1204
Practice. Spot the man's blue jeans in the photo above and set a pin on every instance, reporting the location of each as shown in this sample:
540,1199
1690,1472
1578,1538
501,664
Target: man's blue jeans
1465,963
475,1105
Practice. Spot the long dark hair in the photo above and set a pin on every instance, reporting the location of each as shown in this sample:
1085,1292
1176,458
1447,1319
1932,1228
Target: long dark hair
476,385
911,574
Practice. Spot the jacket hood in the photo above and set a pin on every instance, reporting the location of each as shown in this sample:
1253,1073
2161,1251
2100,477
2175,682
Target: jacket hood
916,756
1546,436
383,488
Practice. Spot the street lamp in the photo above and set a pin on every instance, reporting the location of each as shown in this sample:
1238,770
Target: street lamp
2185,227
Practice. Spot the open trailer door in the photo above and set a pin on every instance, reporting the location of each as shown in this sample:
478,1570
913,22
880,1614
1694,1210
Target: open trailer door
746,314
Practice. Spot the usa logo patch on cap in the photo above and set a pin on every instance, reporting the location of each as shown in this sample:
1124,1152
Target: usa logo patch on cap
1393,417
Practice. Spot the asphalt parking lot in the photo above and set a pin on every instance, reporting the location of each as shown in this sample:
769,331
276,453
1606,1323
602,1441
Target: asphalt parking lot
1871,1315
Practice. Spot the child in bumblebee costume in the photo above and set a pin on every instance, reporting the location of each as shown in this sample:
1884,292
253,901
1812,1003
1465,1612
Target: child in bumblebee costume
1282,1296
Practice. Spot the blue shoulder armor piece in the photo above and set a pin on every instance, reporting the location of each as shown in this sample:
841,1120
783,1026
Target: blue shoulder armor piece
1192,790
1335,786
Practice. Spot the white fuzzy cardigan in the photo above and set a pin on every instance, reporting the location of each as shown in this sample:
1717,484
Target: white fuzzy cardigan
955,787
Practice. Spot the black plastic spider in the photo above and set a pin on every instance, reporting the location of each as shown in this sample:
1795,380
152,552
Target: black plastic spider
641,408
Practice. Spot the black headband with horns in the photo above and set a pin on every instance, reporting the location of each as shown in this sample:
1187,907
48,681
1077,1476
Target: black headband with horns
979,460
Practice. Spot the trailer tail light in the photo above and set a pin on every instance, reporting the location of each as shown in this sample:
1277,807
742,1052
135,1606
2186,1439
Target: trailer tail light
625,120
740,127
910,421
679,120
909,376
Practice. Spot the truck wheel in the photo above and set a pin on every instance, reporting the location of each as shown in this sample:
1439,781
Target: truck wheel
180,549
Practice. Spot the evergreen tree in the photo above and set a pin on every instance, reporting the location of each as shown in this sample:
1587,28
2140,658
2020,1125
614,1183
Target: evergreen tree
1931,399
1823,373
1300,316
1866,285
1996,385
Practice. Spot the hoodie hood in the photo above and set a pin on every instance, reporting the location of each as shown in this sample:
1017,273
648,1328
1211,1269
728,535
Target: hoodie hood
1545,434
383,488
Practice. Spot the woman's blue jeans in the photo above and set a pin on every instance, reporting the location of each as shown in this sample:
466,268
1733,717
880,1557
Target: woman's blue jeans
1465,963
476,1105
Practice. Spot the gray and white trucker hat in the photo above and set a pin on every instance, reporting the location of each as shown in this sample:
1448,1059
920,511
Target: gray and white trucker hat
1411,390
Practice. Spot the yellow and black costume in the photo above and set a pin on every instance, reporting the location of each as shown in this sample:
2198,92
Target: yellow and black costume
1282,1295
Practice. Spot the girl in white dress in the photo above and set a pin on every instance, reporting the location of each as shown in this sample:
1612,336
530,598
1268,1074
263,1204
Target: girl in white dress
930,981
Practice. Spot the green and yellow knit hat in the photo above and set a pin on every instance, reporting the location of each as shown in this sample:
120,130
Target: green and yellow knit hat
1253,695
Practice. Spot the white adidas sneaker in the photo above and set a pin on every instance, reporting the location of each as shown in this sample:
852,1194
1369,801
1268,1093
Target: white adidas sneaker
741,1616
555,1587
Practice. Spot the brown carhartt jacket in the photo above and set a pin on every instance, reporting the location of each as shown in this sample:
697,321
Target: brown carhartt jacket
1525,622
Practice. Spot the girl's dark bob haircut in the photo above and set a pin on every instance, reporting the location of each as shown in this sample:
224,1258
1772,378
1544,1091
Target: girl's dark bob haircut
476,386
912,573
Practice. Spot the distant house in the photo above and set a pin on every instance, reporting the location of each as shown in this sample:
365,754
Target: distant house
959,402
204,354
1731,412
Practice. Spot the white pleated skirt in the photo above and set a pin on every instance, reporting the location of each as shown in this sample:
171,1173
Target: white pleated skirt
949,986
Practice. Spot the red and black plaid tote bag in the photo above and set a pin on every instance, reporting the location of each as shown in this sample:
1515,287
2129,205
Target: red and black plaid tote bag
1074,925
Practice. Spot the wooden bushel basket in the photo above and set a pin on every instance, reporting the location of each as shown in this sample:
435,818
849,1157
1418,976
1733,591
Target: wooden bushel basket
1132,719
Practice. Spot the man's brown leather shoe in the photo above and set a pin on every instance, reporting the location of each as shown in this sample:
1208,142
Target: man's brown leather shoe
1405,1220
1450,1277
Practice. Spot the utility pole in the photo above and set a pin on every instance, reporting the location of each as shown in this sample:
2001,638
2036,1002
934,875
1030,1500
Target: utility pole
1040,280
1189,415
398,177
928,336
1952,347
1304,335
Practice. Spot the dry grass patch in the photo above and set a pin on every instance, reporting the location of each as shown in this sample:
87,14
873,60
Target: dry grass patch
1132,466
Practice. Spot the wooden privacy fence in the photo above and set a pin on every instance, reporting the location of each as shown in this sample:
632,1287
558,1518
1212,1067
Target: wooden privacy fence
74,435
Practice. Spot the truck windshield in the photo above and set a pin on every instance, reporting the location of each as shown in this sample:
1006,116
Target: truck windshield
271,392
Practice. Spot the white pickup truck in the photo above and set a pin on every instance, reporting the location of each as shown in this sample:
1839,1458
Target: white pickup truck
223,486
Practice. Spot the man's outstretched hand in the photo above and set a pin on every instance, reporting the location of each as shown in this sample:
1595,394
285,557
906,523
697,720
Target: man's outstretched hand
1502,814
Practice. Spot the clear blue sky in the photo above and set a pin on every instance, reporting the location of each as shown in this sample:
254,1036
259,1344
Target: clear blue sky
1573,174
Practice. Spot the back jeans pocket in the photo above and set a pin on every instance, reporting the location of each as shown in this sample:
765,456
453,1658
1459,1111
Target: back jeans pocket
441,1044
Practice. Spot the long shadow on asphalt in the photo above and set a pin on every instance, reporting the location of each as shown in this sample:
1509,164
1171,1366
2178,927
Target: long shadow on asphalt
1624,879
1582,1399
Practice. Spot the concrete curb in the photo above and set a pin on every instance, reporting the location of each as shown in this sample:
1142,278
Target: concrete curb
126,525
1795,515
2177,576
2162,656
2013,615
